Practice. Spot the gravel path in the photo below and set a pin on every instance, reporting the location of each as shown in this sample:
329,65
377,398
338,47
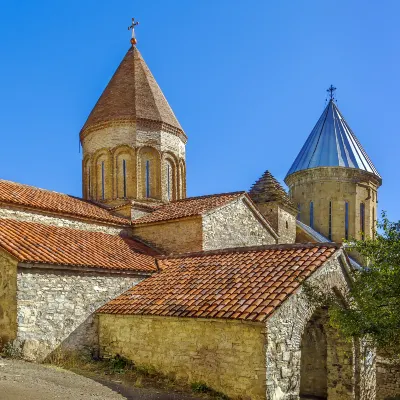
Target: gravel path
26,381
20,380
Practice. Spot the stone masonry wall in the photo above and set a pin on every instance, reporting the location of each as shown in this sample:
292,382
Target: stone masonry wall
30,216
234,225
228,356
285,329
181,236
337,186
8,298
55,308
387,379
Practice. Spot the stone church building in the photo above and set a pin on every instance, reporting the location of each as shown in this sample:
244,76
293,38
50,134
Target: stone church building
204,288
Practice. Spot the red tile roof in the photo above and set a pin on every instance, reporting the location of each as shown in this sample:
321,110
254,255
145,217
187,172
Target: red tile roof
58,203
188,207
31,242
244,284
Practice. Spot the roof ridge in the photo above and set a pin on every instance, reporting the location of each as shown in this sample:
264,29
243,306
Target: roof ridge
205,196
37,188
285,246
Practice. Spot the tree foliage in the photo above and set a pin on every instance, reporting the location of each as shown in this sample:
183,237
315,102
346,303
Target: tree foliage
372,307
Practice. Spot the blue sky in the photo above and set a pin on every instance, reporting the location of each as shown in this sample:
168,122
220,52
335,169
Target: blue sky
246,80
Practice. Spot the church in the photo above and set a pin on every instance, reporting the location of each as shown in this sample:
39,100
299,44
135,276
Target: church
206,289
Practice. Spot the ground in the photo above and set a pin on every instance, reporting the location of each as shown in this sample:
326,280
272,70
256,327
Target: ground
20,380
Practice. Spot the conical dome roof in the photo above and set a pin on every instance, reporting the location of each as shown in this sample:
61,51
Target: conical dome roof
332,144
267,189
132,95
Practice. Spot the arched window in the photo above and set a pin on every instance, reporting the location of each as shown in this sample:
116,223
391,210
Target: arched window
362,220
169,183
330,222
311,214
103,181
147,178
124,177
373,223
346,220
89,182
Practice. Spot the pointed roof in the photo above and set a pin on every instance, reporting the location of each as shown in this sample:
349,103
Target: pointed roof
332,144
267,189
131,95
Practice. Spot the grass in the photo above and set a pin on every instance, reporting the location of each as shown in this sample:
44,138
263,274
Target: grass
122,370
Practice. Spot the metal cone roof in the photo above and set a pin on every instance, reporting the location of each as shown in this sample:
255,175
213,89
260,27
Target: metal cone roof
332,144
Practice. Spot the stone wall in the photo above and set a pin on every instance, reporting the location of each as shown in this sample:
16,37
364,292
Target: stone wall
30,216
387,379
235,225
55,308
285,329
329,189
228,356
8,298
282,221
180,236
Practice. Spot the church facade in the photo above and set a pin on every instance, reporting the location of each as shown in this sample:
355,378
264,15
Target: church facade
205,288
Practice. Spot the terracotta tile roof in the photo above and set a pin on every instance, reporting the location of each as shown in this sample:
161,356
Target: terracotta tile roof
244,284
132,95
58,203
31,242
188,207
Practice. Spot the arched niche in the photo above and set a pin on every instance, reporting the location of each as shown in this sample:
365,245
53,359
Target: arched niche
87,181
182,179
102,188
170,177
149,171
124,172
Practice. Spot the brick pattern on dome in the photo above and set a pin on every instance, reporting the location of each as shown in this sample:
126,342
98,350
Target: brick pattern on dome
267,189
243,284
58,203
189,207
132,95
31,242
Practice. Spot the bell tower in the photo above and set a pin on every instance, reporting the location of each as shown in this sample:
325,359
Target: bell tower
332,182
133,145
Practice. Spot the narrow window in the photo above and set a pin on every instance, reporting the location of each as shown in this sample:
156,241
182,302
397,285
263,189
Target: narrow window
362,220
330,222
124,176
311,214
89,184
147,178
373,223
298,211
168,181
346,220
102,181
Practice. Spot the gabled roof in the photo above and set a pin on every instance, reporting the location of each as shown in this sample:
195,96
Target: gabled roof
31,242
45,200
268,189
189,207
332,144
244,284
132,95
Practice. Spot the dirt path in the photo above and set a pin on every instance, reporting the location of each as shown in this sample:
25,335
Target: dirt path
20,380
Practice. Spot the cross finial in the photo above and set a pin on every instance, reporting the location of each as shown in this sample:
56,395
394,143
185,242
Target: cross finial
132,27
331,90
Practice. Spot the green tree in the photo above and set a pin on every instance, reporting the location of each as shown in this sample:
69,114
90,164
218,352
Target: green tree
372,306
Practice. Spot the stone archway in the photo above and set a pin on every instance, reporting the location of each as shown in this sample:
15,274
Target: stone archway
313,366
327,361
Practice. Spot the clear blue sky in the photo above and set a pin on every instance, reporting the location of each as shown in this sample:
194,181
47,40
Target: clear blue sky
246,80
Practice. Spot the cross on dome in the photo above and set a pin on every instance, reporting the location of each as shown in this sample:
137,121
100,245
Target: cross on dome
132,28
